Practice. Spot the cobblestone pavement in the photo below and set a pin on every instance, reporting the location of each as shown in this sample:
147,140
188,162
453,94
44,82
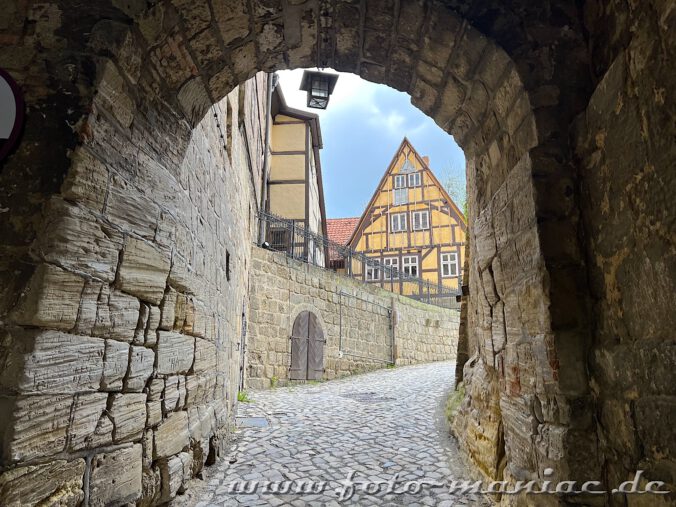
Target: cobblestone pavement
373,425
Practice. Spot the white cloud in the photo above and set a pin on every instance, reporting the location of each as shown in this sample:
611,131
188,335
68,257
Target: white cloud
356,95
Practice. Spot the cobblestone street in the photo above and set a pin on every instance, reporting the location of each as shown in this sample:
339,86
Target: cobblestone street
374,426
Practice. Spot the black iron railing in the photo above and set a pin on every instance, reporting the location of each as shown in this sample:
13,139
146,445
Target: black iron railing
294,239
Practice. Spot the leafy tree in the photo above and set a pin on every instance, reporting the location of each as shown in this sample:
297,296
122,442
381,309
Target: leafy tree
453,180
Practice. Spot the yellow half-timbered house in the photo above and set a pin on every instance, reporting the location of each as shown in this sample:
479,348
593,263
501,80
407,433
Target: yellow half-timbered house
412,225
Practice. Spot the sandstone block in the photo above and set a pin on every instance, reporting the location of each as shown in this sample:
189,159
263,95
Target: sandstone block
154,411
152,484
51,300
116,477
175,353
153,323
182,393
41,484
76,239
180,275
90,427
88,308
170,398
38,426
205,356
143,271
140,368
115,365
128,413
167,309
131,210
171,436
41,362
86,180
140,332
117,315
171,471
155,389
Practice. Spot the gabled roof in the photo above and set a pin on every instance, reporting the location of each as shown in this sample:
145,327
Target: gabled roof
340,231
405,143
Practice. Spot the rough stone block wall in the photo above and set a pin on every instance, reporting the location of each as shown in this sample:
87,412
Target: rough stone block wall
356,318
625,142
119,361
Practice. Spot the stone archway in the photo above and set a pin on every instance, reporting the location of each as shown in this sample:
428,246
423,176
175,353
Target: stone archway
118,93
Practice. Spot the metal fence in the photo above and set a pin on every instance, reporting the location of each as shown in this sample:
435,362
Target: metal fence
294,239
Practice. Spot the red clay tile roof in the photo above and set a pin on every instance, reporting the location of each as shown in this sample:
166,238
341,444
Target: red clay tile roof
340,230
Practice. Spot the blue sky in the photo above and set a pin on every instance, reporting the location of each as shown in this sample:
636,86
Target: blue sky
362,128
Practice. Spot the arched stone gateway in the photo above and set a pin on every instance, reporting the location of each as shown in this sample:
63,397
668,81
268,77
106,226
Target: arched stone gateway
114,225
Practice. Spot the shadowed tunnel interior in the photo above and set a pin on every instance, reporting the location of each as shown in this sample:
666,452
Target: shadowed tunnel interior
131,213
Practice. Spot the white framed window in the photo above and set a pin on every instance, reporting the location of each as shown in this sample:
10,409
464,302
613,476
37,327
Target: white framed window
400,181
400,196
372,271
398,222
410,265
449,264
393,263
414,179
420,220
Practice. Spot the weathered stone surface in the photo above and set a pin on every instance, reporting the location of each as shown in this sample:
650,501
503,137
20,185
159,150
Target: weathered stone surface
175,353
143,271
130,210
55,483
140,331
154,411
41,362
152,326
117,315
167,309
205,356
89,303
172,475
76,239
172,435
155,389
170,396
86,181
38,426
90,426
141,363
51,300
128,413
115,365
116,477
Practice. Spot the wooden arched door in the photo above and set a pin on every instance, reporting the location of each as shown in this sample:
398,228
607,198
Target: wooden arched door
307,348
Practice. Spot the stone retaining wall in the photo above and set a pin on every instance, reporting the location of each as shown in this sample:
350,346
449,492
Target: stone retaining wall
370,326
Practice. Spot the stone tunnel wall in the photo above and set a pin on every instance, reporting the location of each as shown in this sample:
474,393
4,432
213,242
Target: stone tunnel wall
625,144
355,317
119,363
119,85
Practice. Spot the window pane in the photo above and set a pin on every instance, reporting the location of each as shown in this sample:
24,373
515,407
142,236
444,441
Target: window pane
400,196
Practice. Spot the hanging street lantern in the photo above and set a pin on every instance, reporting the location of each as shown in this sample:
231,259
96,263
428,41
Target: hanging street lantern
319,87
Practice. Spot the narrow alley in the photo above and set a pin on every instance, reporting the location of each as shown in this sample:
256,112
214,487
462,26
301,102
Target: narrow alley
374,425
